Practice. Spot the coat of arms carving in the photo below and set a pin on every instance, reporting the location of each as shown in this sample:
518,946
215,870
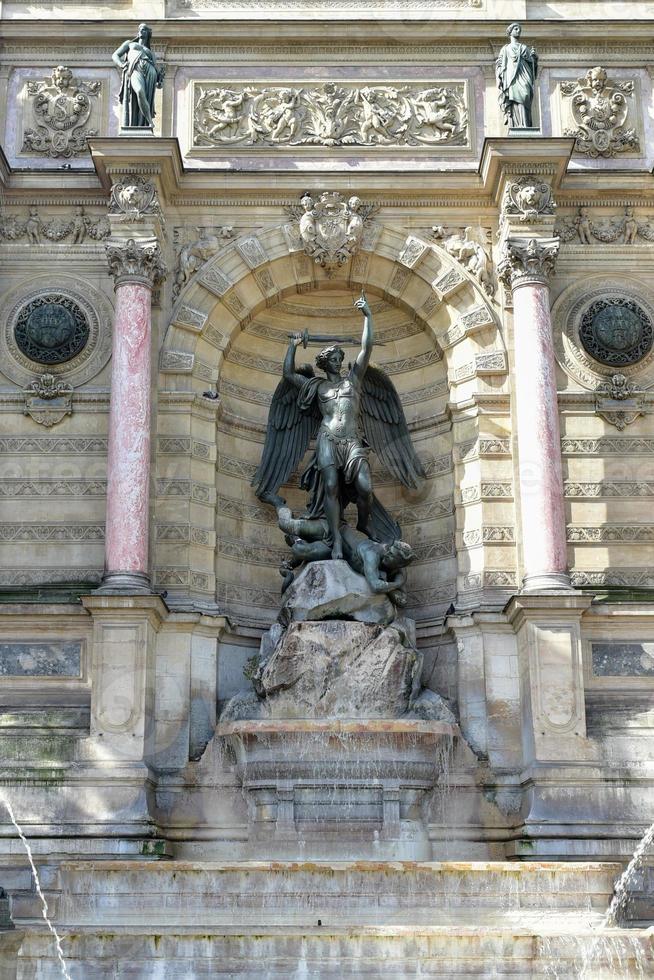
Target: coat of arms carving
600,108
61,107
329,230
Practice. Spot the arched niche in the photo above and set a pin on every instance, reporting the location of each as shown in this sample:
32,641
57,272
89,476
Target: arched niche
229,330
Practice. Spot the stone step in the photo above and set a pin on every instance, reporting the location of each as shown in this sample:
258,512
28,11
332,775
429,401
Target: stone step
207,895
319,953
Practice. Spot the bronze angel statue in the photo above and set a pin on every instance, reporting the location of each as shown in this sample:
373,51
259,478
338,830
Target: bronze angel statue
348,415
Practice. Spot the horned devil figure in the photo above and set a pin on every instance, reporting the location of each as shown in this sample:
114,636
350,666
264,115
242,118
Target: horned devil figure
348,415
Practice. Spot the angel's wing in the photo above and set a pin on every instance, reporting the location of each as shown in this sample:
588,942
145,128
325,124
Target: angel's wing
288,435
385,428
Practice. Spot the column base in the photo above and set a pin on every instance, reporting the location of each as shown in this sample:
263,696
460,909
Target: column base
547,582
125,583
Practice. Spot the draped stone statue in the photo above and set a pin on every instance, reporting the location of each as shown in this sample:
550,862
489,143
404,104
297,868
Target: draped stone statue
516,69
141,77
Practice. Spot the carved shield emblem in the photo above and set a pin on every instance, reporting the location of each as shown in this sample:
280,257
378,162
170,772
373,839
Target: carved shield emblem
329,230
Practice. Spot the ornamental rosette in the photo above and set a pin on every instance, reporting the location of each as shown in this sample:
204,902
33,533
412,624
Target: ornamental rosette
136,261
527,260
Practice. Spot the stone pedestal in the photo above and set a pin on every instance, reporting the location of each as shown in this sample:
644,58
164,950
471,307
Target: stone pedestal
548,630
121,743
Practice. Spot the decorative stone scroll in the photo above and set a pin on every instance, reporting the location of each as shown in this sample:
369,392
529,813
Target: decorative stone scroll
330,115
617,402
48,400
61,108
622,229
600,109
75,230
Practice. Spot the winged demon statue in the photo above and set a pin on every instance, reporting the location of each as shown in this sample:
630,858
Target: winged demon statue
348,415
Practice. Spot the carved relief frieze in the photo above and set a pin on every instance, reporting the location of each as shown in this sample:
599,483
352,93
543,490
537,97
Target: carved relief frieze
631,533
44,487
51,532
622,229
330,114
630,577
43,576
600,108
609,488
60,109
608,446
489,534
75,229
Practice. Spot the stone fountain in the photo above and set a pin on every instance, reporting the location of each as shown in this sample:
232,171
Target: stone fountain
337,747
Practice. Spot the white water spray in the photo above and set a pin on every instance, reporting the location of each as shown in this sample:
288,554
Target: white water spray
621,891
44,905
619,900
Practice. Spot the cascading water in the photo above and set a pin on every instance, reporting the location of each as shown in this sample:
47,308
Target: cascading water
617,905
621,892
44,905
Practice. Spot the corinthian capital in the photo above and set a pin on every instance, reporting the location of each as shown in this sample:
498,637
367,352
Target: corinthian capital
132,261
527,260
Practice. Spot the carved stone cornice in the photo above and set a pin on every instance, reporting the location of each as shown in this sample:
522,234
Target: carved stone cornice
132,261
527,260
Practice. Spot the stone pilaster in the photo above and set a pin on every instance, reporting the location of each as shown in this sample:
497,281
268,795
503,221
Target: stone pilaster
525,268
136,266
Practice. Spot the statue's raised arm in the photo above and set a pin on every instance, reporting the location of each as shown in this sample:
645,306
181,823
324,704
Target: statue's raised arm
367,338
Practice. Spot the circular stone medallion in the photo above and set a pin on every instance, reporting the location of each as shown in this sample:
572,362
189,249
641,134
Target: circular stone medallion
51,329
616,331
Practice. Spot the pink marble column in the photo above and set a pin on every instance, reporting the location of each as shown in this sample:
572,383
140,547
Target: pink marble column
526,267
136,266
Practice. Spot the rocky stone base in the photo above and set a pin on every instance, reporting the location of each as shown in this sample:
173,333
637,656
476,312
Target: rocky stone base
339,669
